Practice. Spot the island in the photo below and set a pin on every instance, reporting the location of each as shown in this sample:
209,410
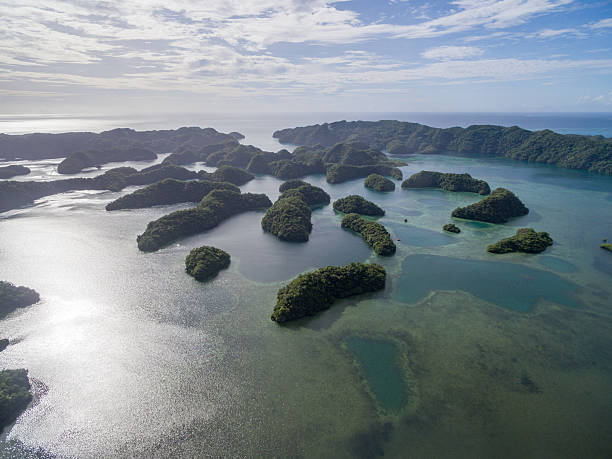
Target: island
14,395
288,219
13,297
4,342
14,194
525,240
7,172
338,173
311,195
316,291
379,183
227,173
451,228
606,246
290,184
215,207
355,204
374,234
498,207
80,160
205,262
447,181
168,191
592,153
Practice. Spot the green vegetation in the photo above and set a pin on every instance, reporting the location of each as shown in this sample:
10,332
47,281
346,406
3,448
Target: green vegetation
14,395
451,228
525,240
606,246
316,291
78,161
358,205
228,174
593,153
498,207
288,219
216,206
13,297
290,184
338,173
311,195
375,234
168,191
379,183
206,262
448,182
8,172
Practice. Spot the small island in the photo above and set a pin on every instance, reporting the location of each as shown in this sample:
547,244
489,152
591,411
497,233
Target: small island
288,219
339,173
168,191
355,204
13,297
4,342
14,395
227,173
375,234
379,183
606,245
316,291
451,228
447,181
525,240
290,184
80,160
7,172
498,207
311,195
216,206
205,262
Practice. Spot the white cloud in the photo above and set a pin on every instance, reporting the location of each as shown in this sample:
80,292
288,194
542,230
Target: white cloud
452,52
604,23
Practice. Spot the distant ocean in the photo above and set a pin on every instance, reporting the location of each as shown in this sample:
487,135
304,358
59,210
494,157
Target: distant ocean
259,127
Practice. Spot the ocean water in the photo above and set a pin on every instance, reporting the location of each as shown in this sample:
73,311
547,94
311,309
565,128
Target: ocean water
464,354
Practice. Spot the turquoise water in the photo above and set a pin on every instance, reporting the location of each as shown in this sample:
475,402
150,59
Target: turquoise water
378,360
506,284
184,369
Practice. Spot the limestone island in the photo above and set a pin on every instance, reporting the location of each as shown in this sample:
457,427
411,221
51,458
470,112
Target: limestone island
14,395
7,172
78,161
451,228
355,204
206,262
4,342
498,207
447,181
13,297
227,173
606,246
316,291
375,234
525,240
216,206
289,217
168,191
379,183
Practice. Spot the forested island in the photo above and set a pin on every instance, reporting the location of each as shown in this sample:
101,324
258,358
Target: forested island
205,262
355,204
379,183
525,240
498,207
373,233
216,206
7,172
80,160
592,153
451,228
316,291
14,395
447,181
311,195
13,297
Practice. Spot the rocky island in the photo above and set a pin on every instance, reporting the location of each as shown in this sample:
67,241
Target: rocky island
379,183
227,173
13,297
216,206
78,161
451,228
288,219
290,184
447,181
375,234
316,291
606,246
169,191
14,395
592,153
205,262
7,172
525,240
498,207
355,204
311,195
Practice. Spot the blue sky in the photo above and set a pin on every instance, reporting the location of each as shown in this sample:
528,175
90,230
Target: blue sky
137,56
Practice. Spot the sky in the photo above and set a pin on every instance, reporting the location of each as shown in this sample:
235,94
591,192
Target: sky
171,56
